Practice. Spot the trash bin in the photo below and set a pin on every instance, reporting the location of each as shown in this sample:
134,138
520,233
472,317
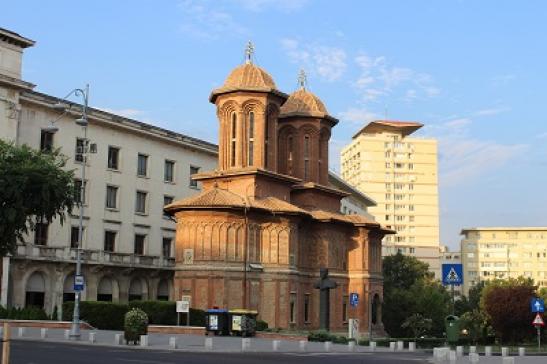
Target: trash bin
452,325
242,322
216,321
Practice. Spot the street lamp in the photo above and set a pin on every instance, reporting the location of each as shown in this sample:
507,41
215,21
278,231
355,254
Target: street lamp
78,282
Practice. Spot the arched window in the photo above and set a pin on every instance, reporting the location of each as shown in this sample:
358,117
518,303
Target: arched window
35,290
135,290
306,157
250,155
104,290
233,134
266,137
290,153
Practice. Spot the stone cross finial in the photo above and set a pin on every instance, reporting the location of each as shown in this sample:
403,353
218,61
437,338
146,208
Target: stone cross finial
302,79
324,285
249,51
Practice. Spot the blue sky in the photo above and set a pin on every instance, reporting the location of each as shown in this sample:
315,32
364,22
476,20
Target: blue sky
472,71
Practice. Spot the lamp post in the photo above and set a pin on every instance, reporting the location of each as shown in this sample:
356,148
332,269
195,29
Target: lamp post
83,122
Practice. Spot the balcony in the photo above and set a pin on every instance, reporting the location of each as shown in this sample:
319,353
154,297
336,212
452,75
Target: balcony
92,257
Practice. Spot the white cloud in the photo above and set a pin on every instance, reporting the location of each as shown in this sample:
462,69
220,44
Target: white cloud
358,116
262,5
208,20
329,63
457,123
492,111
128,113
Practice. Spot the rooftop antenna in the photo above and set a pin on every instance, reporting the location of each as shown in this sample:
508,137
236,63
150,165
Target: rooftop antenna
302,79
249,51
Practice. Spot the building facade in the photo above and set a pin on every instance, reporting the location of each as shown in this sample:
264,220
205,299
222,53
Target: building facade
400,173
504,252
132,171
267,219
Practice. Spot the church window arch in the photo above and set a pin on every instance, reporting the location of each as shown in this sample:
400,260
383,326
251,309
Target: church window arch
306,157
250,154
233,140
290,153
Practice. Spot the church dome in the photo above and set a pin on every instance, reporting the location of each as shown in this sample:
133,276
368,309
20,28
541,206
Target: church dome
304,103
249,76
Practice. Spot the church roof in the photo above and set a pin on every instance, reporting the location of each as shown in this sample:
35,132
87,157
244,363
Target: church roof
220,198
303,102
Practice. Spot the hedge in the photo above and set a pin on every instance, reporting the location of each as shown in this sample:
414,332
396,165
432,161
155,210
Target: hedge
26,313
323,335
110,316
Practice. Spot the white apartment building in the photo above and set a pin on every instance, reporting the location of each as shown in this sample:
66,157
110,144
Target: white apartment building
133,170
400,173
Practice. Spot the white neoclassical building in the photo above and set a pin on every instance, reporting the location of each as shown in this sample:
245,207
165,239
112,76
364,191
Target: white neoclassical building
133,171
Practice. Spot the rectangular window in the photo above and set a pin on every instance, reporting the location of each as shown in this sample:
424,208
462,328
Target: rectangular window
111,197
113,157
166,247
411,219
292,308
142,165
109,241
410,207
387,217
139,244
46,141
40,233
388,196
411,166
79,153
79,192
140,202
193,170
388,165
74,236
169,171
166,201
307,307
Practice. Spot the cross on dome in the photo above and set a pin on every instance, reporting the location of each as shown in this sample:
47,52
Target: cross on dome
302,79
249,51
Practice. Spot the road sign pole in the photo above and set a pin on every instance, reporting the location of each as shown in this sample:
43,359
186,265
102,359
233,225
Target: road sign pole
539,337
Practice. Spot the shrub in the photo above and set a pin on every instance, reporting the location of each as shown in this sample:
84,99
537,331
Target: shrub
158,312
261,325
322,336
135,325
25,313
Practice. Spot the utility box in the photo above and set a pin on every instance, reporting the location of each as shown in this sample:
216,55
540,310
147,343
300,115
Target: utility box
242,322
353,329
452,325
216,321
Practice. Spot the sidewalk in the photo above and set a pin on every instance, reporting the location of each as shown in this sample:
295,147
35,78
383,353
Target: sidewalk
193,342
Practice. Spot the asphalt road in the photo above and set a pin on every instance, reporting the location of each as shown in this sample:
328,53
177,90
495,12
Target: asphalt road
36,352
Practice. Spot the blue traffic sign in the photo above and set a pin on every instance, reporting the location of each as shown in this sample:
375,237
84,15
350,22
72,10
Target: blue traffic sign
353,299
79,283
452,274
537,305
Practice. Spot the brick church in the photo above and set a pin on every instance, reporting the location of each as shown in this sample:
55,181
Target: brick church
266,220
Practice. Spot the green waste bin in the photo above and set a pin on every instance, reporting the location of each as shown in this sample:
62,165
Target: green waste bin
242,322
452,325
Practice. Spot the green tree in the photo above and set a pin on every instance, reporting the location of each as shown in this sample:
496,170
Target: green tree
475,323
409,289
417,324
33,187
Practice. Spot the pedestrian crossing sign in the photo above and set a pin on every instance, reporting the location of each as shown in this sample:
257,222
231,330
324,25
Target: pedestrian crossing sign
452,274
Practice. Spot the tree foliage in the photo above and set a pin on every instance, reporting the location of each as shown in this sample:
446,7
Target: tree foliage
418,324
408,290
33,187
507,305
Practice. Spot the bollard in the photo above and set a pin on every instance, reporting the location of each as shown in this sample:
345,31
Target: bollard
473,358
43,333
20,331
400,345
209,343
328,345
392,345
372,345
504,351
275,345
67,334
508,360
92,339
522,351
412,346
452,356
351,346
487,351
472,349
143,340
245,344
117,339
303,345
173,342
459,351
